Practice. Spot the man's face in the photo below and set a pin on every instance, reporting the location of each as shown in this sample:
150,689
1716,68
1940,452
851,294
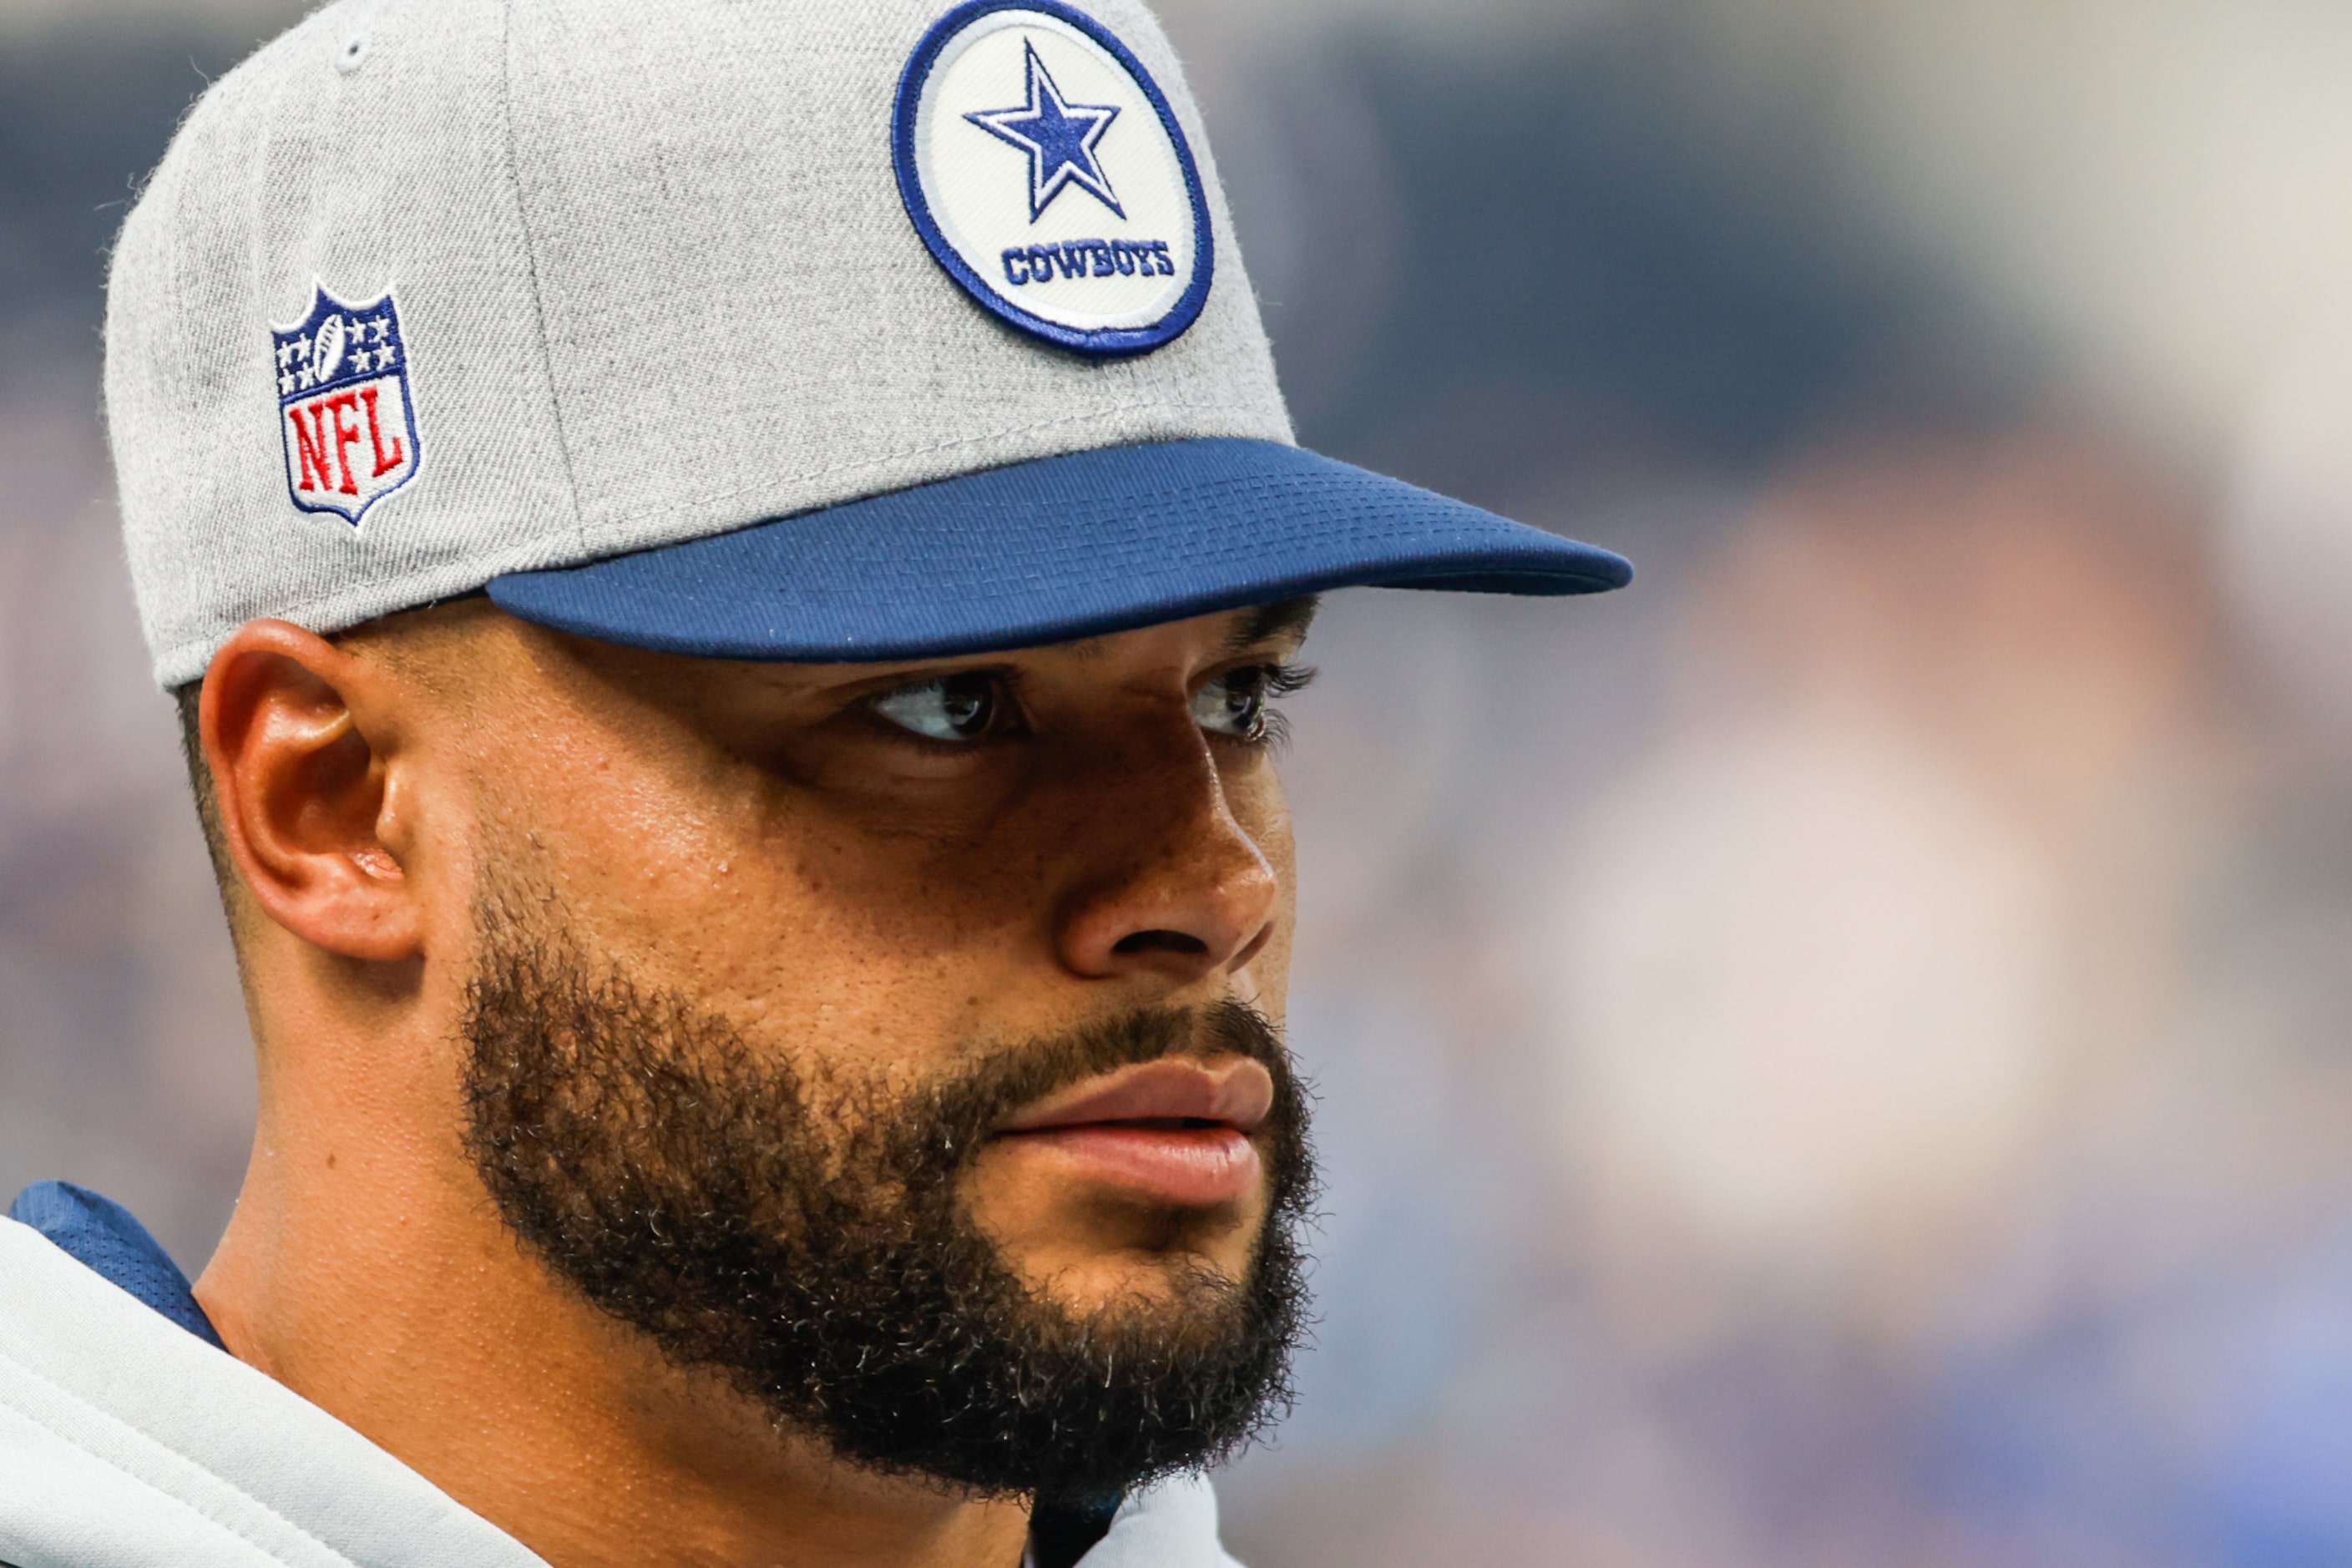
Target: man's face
898,1041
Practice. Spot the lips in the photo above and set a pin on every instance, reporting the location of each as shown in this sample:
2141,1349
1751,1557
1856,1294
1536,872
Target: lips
1236,1092
1175,1131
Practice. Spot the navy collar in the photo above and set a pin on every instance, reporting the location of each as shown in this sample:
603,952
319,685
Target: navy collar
106,1238
102,1236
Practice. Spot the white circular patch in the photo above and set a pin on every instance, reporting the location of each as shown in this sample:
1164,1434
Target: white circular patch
1046,171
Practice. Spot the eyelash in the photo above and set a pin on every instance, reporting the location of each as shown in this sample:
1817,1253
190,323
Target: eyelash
1281,679
1286,679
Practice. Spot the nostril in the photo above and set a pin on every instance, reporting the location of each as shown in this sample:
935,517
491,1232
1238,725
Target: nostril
1160,941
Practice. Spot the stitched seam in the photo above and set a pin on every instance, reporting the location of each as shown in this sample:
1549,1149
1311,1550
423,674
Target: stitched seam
1593,584
1098,416
263,164
531,250
220,1524
481,570
497,564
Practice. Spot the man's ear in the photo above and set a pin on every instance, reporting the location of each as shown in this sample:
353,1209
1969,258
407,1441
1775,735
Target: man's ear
303,793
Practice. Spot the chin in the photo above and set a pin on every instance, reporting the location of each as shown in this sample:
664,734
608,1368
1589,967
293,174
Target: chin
1158,1277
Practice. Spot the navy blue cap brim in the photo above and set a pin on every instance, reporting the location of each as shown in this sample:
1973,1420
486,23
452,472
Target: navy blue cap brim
1044,552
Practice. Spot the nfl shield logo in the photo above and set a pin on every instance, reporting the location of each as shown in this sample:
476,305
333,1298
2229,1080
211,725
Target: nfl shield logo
343,411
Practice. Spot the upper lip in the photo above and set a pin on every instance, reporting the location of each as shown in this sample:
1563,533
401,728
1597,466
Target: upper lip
1234,1090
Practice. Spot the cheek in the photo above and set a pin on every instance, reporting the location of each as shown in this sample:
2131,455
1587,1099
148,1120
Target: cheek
808,929
1259,805
1254,793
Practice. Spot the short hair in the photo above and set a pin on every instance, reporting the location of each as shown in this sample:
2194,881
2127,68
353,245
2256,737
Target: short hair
191,699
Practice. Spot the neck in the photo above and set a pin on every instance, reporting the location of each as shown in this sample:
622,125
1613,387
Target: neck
367,1270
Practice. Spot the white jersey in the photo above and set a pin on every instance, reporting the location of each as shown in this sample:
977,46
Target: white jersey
128,1441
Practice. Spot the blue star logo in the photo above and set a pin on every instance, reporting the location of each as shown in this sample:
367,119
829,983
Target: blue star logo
1059,137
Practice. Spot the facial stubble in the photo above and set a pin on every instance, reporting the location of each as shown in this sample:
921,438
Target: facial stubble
809,1239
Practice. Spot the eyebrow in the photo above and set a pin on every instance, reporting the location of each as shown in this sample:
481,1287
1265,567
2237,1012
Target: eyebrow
1272,623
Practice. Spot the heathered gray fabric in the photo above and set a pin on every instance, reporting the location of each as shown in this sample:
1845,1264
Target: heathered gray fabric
655,282
127,1442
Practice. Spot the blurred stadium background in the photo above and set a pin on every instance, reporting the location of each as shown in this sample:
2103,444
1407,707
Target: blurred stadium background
1837,1057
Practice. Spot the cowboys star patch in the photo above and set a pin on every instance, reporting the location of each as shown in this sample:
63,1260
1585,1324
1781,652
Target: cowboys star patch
345,414
1045,171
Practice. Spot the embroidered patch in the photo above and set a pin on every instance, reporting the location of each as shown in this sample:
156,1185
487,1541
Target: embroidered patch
1045,168
345,414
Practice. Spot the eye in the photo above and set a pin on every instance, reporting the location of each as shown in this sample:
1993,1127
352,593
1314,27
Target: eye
954,707
1239,702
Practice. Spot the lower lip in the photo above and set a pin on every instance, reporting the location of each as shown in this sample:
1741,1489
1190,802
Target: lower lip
1195,1167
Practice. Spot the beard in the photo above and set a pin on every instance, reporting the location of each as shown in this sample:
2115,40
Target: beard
807,1238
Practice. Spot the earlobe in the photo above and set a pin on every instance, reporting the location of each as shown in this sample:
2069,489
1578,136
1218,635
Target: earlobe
302,792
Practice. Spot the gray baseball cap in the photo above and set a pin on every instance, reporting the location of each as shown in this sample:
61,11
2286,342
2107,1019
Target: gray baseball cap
765,329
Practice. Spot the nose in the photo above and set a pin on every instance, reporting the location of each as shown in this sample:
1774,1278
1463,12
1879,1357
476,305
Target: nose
1181,890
